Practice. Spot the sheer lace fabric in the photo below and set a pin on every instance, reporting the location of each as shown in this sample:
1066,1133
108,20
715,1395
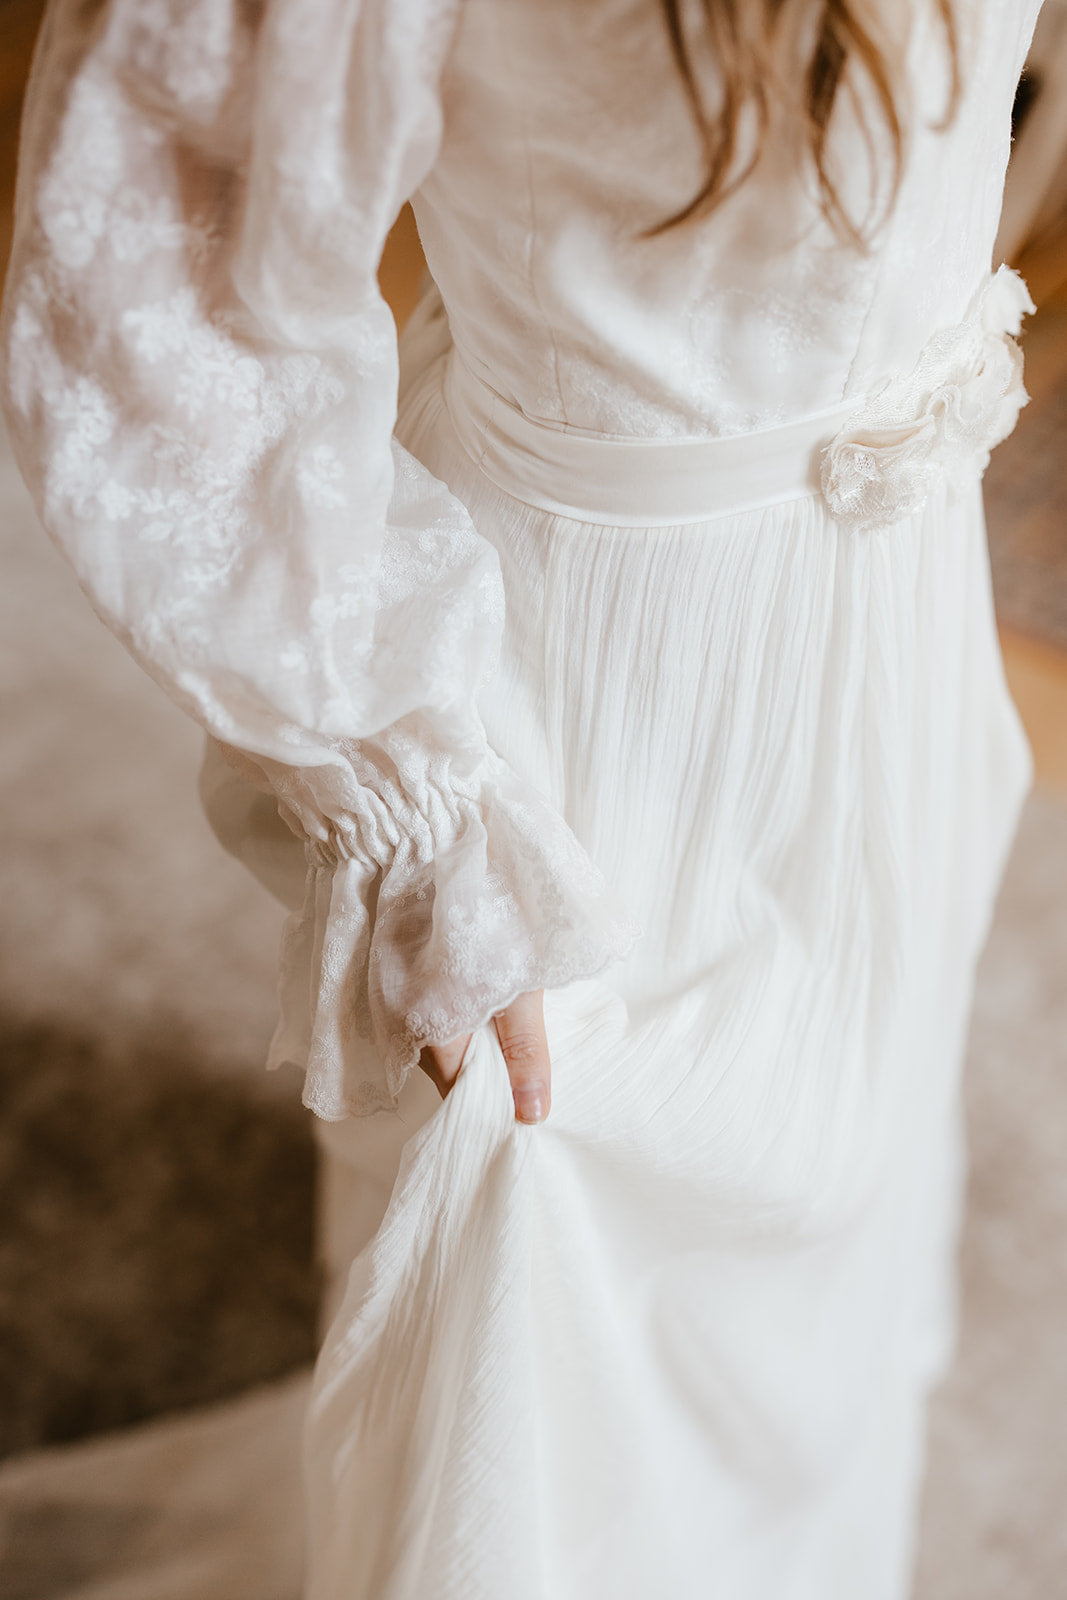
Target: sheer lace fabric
201,383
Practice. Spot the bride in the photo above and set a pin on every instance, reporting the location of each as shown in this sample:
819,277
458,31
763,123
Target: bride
606,677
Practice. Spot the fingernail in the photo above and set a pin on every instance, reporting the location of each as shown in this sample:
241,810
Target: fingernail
530,1104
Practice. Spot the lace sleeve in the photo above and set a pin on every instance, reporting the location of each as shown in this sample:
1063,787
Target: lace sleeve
200,383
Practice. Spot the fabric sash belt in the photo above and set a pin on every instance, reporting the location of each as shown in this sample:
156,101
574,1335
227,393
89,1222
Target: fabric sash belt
623,482
874,459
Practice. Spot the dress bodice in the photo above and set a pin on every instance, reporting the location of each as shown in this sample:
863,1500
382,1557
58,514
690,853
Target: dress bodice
566,133
200,377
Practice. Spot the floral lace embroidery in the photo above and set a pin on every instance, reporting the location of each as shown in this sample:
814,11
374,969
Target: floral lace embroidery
941,421
201,389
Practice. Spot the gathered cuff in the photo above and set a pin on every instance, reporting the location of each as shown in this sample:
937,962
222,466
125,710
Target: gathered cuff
420,923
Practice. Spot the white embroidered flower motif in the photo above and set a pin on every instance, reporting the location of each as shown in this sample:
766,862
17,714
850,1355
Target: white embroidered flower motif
940,422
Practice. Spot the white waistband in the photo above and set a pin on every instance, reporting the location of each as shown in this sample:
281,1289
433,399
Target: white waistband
874,459
603,478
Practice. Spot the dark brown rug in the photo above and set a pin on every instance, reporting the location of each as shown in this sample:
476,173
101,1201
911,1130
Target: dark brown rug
156,1243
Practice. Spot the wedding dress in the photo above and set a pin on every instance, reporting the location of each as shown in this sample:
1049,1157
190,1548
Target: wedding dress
642,651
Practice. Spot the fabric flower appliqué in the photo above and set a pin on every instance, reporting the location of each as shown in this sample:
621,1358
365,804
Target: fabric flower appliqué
937,424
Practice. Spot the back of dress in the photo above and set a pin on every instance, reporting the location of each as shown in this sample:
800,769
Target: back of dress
567,133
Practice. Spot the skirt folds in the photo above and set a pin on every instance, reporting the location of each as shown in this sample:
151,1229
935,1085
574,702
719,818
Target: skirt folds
677,1340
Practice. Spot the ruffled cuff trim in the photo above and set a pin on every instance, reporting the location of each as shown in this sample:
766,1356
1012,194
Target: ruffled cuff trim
386,957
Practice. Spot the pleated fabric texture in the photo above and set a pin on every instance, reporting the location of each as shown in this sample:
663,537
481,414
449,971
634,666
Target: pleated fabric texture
677,1340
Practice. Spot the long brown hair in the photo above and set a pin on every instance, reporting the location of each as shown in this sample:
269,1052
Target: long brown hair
747,39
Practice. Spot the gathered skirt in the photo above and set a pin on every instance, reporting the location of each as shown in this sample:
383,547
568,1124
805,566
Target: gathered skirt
677,1340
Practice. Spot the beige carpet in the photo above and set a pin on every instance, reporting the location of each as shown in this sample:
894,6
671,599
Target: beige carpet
995,1526
156,1186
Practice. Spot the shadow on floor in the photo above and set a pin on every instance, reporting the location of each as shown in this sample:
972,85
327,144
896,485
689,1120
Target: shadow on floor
157,1248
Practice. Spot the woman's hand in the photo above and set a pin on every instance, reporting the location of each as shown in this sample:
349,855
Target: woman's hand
521,1031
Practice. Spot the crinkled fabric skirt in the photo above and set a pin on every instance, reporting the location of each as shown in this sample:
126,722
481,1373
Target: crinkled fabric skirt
676,1342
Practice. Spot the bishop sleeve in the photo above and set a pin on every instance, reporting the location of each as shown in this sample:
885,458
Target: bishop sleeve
200,382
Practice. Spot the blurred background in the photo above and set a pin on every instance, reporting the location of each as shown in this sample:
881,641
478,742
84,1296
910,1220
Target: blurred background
157,1188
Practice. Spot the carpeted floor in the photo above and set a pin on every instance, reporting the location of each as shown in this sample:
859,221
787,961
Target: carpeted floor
157,1232
994,1525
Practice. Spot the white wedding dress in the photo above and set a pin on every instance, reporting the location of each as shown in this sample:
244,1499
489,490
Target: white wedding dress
644,652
